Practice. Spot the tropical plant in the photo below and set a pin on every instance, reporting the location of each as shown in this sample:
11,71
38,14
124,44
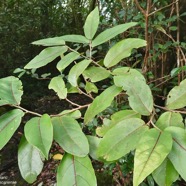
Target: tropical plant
158,141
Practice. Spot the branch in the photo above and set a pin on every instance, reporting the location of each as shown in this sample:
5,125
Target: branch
141,9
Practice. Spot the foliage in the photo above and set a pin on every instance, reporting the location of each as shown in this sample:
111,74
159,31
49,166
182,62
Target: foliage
130,129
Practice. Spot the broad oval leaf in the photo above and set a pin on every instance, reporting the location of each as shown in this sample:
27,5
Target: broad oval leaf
115,119
91,23
121,139
122,50
69,135
178,152
101,102
151,151
67,60
10,91
58,85
73,114
9,122
75,38
93,144
29,161
39,133
46,56
76,171
91,87
168,119
165,174
76,71
177,96
96,74
111,32
140,95
54,41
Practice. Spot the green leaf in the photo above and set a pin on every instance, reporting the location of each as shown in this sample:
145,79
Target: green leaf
153,148
58,85
46,56
101,102
122,50
121,139
170,119
91,23
67,60
140,96
10,91
96,74
111,32
55,41
39,133
75,171
176,71
29,161
74,114
165,174
115,119
178,152
9,122
76,71
91,87
75,38
93,144
69,135
177,96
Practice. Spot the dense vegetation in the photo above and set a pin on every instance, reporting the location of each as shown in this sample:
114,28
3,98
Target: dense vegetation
120,67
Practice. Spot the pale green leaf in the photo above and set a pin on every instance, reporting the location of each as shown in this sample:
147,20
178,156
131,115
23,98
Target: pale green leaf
67,60
122,50
177,96
76,171
76,71
91,23
140,96
115,119
151,151
29,161
39,133
10,91
54,41
111,32
58,85
75,38
69,135
46,56
101,102
93,144
9,122
121,139
168,119
96,74
165,174
74,114
91,87
178,152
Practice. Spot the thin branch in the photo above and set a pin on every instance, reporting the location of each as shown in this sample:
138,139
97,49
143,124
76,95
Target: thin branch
71,102
140,8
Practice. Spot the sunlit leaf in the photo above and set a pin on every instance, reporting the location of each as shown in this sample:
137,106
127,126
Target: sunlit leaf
29,161
69,135
76,171
9,122
76,71
54,41
91,23
75,38
46,56
101,102
91,87
111,32
73,114
177,96
151,151
10,91
165,174
170,119
58,85
122,50
121,139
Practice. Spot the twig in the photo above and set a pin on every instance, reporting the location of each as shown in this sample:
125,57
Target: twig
71,102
